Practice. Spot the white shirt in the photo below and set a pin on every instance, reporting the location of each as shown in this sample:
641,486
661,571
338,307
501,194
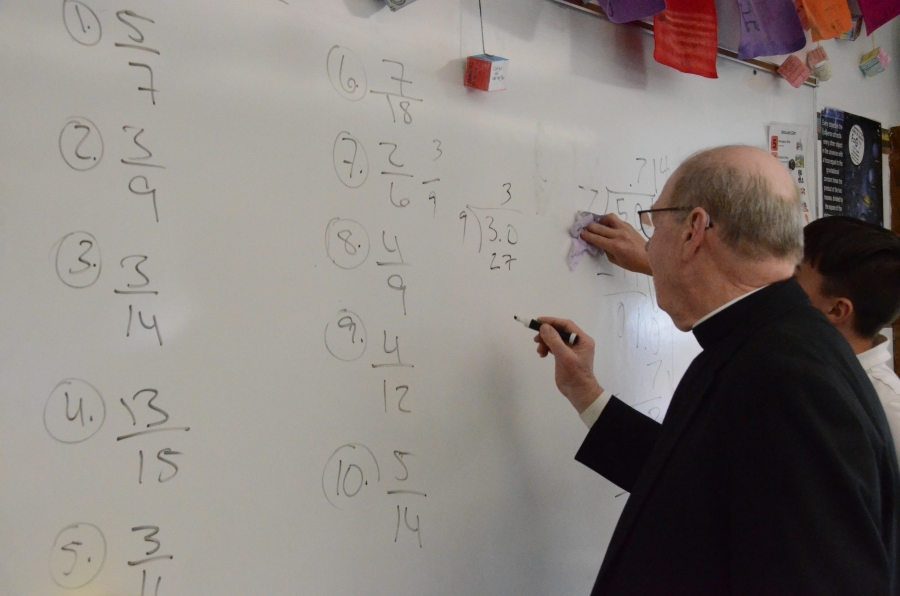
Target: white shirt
887,385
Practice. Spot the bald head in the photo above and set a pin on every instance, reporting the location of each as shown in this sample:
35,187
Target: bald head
750,196
737,228
756,162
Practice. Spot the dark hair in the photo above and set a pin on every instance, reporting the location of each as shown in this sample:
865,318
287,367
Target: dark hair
859,261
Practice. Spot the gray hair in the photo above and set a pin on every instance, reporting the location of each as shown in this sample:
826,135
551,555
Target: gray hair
753,220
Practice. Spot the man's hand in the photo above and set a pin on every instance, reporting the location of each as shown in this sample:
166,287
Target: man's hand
624,246
574,364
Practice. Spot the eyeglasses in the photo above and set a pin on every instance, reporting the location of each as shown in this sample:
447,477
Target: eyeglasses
646,218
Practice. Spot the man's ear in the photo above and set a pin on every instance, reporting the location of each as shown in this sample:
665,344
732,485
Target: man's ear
694,231
840,311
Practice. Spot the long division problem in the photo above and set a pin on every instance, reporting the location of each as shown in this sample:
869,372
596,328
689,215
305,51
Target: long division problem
643,333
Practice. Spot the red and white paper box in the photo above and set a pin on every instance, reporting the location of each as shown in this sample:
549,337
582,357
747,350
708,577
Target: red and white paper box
794,71
486,72
817,60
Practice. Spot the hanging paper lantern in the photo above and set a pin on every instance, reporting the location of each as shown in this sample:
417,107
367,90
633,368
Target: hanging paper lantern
486,72
396,5
794,71
817,60
854,32
874,62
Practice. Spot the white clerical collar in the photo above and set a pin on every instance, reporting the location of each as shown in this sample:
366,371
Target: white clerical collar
877,355
726,305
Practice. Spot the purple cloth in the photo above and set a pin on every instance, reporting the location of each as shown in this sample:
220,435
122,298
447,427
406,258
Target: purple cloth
625,11
769,28
579,247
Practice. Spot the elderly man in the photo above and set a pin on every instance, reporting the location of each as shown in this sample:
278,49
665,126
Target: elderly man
774,470
851,272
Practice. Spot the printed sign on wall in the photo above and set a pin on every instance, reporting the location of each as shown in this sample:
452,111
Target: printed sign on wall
851,166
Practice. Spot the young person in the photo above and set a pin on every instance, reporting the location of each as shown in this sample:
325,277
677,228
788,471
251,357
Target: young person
851,271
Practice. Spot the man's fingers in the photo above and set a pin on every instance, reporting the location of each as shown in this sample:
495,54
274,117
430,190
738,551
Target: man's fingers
611,220
597,229
597,240
564,324
542,348
551,338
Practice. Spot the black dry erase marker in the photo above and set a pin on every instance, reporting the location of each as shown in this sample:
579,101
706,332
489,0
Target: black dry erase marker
569,338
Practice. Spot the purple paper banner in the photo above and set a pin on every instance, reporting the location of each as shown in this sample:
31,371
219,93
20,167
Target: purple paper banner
625,11
769,28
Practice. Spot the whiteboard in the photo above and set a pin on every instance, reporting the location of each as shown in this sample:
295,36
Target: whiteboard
257,311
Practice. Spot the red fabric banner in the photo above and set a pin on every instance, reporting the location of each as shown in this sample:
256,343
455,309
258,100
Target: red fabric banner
687,37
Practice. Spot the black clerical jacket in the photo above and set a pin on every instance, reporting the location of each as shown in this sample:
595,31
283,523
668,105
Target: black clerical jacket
773,472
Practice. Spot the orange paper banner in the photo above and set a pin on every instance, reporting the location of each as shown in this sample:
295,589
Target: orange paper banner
687,37
828,18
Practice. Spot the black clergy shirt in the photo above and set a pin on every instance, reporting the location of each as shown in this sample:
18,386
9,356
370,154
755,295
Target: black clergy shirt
772,473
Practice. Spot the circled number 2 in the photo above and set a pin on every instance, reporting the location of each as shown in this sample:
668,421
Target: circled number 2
80,144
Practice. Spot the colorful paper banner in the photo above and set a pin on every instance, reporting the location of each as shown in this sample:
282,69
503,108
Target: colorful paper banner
769,28
878,12
625,11
828,18
687,37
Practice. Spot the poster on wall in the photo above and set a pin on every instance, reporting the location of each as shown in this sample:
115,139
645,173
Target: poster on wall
790,144
851,166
